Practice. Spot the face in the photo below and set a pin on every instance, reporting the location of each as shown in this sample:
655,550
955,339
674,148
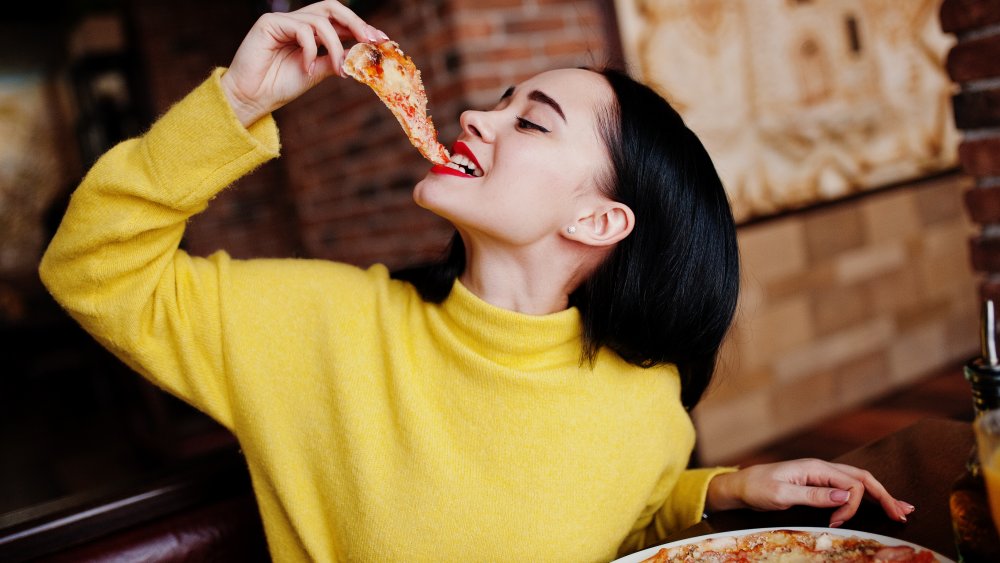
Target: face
535,159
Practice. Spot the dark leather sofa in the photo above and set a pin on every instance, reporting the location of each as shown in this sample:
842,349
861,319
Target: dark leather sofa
204,511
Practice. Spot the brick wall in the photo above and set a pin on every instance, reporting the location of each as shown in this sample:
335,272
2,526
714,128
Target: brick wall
974,64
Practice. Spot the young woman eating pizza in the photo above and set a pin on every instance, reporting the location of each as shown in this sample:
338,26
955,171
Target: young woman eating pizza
526,399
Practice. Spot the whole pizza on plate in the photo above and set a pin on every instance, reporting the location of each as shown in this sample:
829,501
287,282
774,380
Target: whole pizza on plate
795,545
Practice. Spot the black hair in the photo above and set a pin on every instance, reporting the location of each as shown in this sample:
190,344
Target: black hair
666,294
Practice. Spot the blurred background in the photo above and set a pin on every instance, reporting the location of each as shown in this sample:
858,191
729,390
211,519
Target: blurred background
837,125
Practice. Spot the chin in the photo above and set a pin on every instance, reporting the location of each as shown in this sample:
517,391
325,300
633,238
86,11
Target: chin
420,194
427,196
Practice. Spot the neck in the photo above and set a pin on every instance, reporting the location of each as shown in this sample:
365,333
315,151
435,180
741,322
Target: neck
533,280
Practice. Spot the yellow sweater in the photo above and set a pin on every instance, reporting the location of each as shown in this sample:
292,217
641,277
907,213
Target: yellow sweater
376,427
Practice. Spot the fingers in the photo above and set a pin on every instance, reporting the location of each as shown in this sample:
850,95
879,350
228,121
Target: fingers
324,30
829,475
345,20
789,495
285,29
819,483
895,508
332,21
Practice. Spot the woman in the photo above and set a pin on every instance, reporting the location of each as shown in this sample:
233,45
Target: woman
530,405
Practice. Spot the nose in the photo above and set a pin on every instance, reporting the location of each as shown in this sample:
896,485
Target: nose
478,124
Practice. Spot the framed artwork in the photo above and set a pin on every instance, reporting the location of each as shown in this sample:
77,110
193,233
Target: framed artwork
801,101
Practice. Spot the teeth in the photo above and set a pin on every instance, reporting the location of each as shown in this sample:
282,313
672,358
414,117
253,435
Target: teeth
464,164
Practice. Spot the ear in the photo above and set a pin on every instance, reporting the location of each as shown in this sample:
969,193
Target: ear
603,225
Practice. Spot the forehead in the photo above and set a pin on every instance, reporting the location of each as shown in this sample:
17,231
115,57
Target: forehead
580,93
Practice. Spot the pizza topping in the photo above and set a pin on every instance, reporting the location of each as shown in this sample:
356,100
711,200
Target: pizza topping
895,553
824,542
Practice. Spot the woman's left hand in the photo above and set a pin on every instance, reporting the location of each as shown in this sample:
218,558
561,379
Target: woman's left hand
810,482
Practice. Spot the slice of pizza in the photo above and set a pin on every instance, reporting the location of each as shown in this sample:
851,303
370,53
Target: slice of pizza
396,80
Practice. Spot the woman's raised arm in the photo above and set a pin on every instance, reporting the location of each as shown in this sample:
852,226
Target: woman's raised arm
114,263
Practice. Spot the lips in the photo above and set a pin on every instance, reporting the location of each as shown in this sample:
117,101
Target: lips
442,169
459,148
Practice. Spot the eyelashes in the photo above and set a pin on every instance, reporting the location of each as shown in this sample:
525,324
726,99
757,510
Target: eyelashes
523,123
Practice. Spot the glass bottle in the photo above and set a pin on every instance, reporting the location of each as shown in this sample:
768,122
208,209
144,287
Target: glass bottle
975,536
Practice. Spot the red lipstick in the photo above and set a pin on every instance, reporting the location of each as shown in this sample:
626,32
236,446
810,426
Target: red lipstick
458,148
442,169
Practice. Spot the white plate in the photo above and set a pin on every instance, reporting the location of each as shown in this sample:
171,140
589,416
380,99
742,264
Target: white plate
638,556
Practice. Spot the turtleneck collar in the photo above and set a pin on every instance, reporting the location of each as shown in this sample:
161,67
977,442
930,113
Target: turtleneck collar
510,338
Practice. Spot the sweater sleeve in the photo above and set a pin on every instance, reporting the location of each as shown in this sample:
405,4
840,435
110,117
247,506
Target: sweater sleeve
683,506
114,263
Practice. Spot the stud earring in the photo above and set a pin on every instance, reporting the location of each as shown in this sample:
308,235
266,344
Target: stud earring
570,230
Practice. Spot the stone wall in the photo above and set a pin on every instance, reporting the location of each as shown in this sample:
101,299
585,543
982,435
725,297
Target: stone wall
841,304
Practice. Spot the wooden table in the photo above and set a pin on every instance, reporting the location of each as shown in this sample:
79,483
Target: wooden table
917,464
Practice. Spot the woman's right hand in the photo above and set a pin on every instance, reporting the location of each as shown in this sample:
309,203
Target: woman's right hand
278,61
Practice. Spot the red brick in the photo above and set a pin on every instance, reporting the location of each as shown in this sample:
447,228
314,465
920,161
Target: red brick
559,48
978,109
983,205
981,157
474,29
500,54
489,83
485,4
985,254
964,15
534,25
975,60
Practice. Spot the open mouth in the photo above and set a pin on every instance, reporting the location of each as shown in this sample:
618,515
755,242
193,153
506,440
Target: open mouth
462,163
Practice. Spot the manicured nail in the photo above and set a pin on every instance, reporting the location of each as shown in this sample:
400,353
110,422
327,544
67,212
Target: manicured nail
902,518
371,34
382,34
837,524
840,496
312,67
909,507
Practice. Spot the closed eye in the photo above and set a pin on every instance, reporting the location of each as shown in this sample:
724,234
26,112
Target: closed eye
523,123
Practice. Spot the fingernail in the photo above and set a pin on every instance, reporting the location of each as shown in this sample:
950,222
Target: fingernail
312,67
382,34
909,507
371,33
837,524
902,518
840,496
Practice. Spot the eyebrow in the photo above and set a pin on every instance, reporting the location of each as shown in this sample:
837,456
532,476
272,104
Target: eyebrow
541,97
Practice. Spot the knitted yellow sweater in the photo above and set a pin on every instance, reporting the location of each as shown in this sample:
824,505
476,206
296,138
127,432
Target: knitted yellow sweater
376,427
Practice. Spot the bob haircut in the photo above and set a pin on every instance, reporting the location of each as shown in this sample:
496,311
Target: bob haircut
666,294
